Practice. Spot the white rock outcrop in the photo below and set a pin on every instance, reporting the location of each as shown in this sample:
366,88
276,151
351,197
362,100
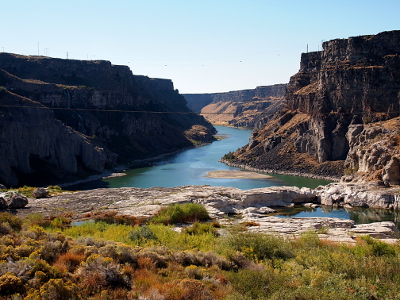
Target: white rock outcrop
358,195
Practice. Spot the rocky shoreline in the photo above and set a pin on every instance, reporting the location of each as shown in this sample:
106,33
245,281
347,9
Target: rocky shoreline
281,172
232,206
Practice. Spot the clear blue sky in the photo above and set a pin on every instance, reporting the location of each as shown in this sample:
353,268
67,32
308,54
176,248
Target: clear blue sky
203,46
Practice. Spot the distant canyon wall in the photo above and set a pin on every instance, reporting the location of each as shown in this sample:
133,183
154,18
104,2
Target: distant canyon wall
128,116
245,108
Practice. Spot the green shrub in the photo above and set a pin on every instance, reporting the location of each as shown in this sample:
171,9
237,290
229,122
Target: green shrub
378,248
141,234
54,189
229,156
13,221
258,246
201,228
26,191
181,213
59,222
252,284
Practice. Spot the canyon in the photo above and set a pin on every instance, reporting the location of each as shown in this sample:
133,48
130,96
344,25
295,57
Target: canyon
66,119
244,108
338,118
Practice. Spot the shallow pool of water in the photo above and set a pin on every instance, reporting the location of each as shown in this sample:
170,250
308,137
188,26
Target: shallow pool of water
359,215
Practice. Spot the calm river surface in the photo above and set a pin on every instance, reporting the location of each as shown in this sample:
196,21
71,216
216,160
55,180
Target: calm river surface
190,167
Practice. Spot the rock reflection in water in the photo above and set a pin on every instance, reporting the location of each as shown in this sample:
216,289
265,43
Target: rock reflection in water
359,215
369,215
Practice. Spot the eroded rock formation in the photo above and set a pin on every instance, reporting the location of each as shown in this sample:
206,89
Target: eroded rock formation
244,108
98,114
323,128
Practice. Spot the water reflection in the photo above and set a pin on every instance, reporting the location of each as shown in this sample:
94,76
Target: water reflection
359,215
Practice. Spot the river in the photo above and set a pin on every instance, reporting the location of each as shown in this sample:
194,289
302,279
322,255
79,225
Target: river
189,167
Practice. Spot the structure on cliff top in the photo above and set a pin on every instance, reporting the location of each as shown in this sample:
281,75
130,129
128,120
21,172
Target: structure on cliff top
336,97
67,117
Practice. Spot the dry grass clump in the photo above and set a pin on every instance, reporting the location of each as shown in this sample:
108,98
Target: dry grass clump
112,217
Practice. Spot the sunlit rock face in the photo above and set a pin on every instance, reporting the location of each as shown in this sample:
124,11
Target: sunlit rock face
244,108
333,106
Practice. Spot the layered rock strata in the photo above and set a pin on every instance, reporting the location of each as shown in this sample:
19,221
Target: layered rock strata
98,114
337,91
244,108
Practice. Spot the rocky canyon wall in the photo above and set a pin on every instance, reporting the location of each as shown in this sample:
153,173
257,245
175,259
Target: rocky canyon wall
245,108
330,102
129,116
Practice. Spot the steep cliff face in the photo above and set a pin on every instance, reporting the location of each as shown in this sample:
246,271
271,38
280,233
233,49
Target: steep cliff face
36,148
131,116
245,108
351,82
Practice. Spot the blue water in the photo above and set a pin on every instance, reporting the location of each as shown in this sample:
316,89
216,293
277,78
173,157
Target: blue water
191,166
358,215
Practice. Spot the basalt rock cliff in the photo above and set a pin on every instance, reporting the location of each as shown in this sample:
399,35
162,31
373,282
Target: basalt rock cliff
339,114
69,117
244,108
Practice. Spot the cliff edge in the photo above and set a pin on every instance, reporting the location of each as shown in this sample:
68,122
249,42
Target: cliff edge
98,105
337,107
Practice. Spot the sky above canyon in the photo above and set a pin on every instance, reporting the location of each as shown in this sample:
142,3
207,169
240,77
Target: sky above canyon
203,46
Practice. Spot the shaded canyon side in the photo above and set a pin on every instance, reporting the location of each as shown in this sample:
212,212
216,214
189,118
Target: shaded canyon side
245,108
340,116
88,115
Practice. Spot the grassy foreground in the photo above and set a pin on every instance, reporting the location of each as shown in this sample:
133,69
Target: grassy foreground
122,258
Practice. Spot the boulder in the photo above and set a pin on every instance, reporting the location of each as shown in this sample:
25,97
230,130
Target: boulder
276,196
17,201
40,193
357,195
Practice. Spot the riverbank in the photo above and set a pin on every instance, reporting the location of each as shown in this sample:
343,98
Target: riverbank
120,170
190,167
104,175
237,174
253,207
281,172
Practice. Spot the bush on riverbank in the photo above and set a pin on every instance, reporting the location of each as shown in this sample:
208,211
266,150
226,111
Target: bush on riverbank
99,260
181,213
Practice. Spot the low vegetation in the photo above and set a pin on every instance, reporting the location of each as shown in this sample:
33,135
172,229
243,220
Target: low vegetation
229,156
27,191
181,213
111,259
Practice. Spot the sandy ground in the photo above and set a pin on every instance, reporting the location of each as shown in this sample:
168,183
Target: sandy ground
237,174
